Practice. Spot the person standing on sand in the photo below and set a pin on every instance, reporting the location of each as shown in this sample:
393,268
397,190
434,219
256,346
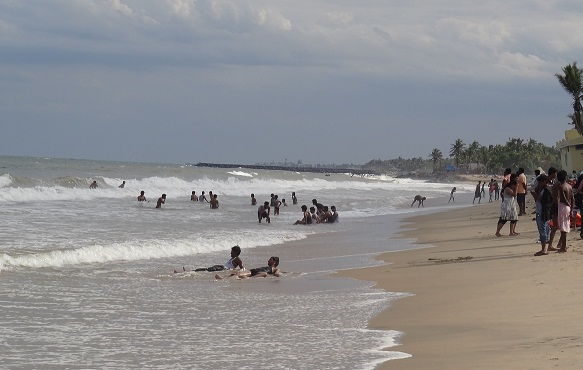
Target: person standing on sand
521,191
490,190
483,192
565,204
505,180
509,207
451,195
477,194
544,201
161,201
553,186
496,190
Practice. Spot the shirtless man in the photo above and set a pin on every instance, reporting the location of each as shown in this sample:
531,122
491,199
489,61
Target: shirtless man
253,200
315,219
276,205
334,216
420,199
193,197
325,217
123,185
283,204
141,197
306,218
318,206
211,196
202,197
93,185
231,264
214,202
263,212
294,199
161,201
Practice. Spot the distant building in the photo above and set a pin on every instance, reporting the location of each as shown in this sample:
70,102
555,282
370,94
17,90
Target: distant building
571,150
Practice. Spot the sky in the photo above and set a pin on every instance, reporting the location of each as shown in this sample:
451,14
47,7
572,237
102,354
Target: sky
322,81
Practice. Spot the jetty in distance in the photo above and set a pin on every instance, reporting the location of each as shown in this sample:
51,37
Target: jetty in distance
354,171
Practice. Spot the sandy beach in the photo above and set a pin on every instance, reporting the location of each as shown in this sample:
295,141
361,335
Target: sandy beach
481,302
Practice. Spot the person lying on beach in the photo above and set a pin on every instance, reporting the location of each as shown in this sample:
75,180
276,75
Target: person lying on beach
231,264
123,185
214,202
141,197
263,212
451,195
253,200
193,197
420,199
306,217
270,269
93,185
161,201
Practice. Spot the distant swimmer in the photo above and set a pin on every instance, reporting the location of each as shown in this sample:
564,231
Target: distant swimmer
283,203
211,196
272,202
231,264
270,269
294,199
193,197
214,202
253,200
452,195
202,197
123,185
141,197
161,201
306,217
263,212
420,199
93,185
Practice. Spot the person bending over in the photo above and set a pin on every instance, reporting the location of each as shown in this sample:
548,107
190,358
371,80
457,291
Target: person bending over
420,199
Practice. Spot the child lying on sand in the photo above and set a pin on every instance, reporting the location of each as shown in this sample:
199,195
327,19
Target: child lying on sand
270,269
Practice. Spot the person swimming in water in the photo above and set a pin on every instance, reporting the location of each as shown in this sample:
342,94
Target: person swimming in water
270,269
253,200
161,200
333,216
93,185
202,197
306,217
141,197
123,185
193,197
214,202
263,212
232,263
294,199
420,199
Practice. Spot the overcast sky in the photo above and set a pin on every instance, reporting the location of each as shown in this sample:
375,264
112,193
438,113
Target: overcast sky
249,81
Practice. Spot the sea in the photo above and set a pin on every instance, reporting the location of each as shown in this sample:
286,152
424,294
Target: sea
87,276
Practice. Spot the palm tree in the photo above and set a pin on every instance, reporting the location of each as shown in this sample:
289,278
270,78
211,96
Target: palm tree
572,83
471,152
436,157
457,151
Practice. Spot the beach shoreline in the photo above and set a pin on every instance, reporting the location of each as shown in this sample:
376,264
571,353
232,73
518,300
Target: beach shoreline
479,301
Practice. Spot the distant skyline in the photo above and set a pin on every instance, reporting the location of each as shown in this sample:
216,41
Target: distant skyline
177,81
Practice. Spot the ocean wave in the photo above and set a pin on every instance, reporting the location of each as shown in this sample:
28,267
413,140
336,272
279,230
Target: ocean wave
72,188
5,180
147,249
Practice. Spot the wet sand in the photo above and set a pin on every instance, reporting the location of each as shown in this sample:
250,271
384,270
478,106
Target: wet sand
481,302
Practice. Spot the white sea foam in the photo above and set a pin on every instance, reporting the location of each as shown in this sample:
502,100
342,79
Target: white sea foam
240,173
5,180
149,249
230,186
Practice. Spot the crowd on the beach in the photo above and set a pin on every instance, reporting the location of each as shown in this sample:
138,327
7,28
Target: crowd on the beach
558,200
